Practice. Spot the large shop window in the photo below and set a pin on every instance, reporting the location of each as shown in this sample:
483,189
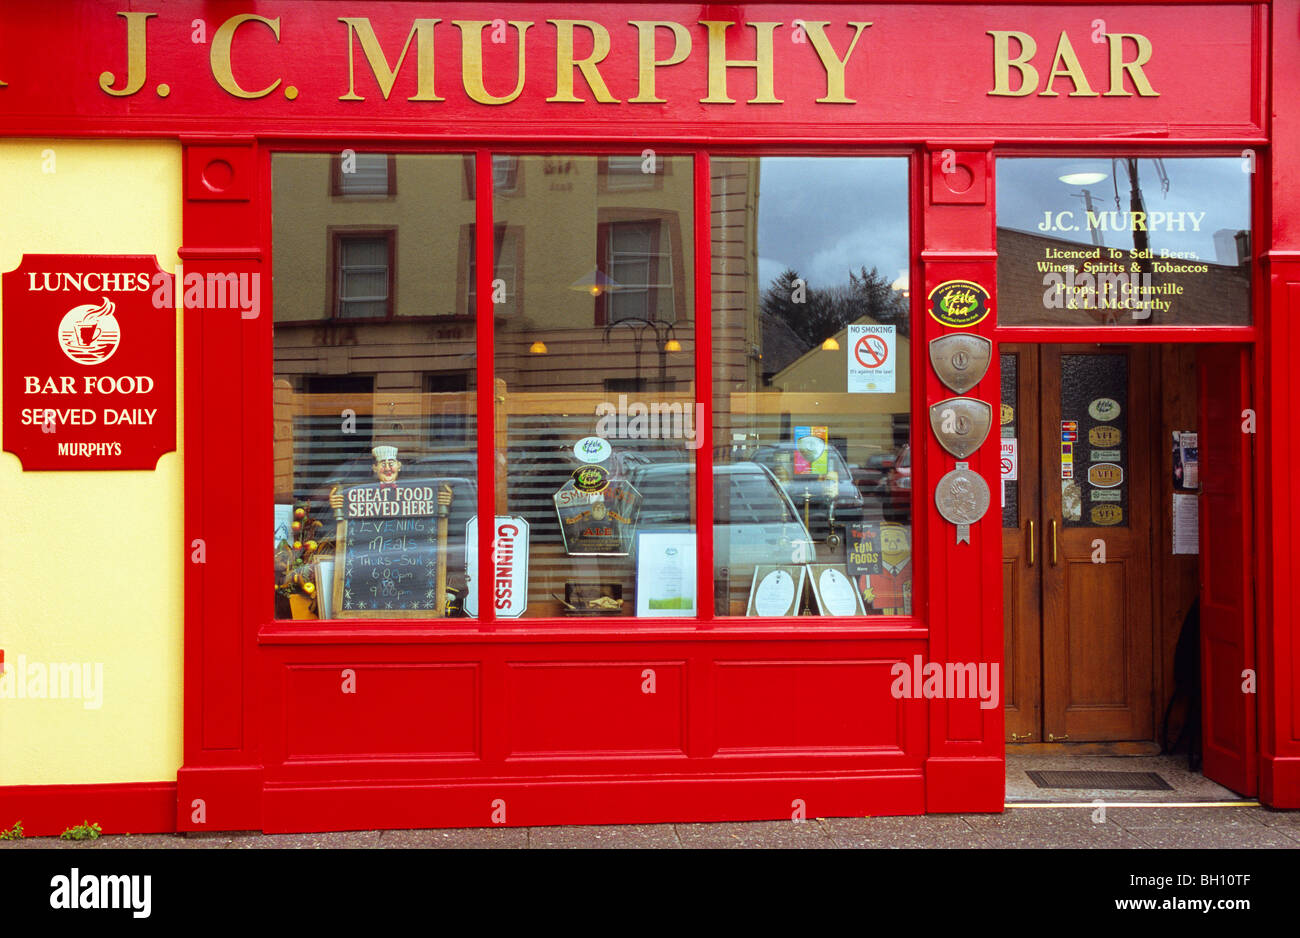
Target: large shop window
598,413
811,386
374,386
1124,241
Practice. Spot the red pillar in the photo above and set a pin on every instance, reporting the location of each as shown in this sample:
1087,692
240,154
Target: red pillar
219,786
1277,446
966,767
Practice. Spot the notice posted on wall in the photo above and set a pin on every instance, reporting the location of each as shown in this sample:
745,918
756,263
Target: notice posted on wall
1186,524
873,357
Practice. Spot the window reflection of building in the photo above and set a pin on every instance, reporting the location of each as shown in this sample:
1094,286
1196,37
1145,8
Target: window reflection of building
371,342
363,272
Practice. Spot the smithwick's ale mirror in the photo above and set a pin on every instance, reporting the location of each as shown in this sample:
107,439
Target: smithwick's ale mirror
961,424
961,360
597,514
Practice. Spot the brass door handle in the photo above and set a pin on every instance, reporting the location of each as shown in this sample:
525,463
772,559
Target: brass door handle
1031,556
1054,738
1053,542
1016,737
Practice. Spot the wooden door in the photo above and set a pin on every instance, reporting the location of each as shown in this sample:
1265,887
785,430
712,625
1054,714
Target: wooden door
1022,678
1097,596
1227,599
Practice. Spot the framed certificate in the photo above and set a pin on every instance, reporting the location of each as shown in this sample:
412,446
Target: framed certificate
665,573
777,591
836,594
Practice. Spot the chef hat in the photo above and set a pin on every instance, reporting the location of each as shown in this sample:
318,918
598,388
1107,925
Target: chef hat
384,452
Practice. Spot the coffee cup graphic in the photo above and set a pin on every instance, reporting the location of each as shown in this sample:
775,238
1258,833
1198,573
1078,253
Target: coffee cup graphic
89,334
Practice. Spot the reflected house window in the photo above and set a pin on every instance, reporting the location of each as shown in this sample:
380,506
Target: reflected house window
364,174
638,256
505,174
506,180
447,416
363,264
506,248
628,173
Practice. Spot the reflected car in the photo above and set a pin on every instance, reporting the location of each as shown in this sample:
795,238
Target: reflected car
535,472
899,486
872,479
830,503
754,521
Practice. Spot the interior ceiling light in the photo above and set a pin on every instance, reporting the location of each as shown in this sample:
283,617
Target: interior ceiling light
1082,174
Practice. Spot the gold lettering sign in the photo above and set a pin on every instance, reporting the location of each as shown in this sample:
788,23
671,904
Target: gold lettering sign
135,57
1065,64
764,91
471,60
220,54
421,31
1104,436
646,61
565,63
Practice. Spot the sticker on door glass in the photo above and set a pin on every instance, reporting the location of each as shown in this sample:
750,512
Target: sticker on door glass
1071,501
1104,436
1105,475
1106,514
1104,408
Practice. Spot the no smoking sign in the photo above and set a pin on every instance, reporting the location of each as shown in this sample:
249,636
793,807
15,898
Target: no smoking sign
871,351
871,366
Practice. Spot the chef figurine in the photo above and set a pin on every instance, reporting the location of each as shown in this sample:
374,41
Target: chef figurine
890,591
385,467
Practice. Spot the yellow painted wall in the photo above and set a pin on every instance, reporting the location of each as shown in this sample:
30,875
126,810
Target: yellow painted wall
91,563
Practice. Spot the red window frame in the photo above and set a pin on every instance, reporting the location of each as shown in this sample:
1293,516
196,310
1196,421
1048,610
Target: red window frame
706,617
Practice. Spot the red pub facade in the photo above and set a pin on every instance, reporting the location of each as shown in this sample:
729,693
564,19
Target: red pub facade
672,196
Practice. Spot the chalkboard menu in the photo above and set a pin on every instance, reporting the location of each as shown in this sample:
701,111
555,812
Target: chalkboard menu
389,547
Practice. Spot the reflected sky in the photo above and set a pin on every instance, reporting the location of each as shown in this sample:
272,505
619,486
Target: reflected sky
825,216
1029,188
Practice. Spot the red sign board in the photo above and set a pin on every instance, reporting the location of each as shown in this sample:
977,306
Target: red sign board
459,69
89,370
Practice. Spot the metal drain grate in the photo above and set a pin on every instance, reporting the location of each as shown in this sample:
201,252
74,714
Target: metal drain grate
1110,781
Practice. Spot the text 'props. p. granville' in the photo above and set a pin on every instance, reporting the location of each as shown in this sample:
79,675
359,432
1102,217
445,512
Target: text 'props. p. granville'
89,362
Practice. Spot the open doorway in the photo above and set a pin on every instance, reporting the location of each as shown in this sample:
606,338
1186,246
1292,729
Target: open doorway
1115,451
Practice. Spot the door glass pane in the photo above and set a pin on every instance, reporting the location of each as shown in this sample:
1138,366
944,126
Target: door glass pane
811,390
1009,419
1124,241
1094,440
595,388
370,389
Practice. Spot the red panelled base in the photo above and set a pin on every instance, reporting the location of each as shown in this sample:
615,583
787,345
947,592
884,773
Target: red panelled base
957,784
225,798
516,803
127,808
1279,782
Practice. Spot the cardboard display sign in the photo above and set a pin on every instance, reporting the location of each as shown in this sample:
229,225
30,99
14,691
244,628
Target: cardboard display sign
89,362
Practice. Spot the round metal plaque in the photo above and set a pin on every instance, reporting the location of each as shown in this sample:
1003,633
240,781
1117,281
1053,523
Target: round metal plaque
962,497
